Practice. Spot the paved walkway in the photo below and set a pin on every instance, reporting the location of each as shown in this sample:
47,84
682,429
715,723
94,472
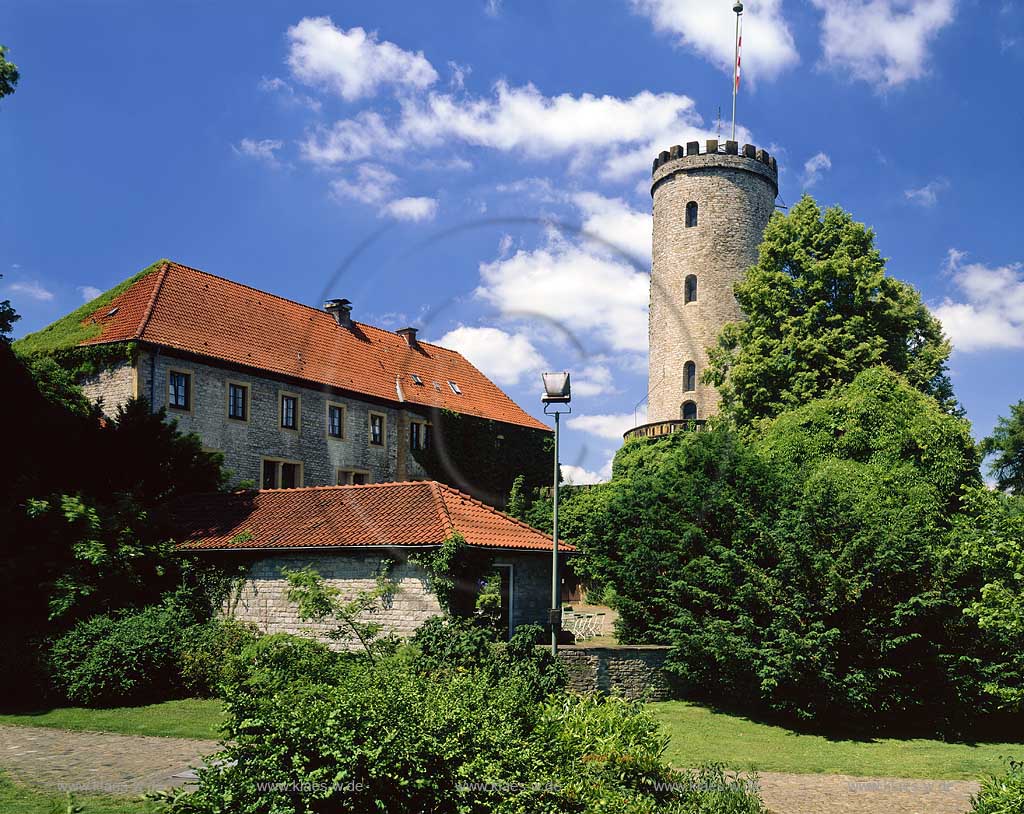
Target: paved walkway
130,764
98,761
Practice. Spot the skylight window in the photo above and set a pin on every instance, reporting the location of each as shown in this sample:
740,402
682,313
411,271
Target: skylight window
416,379
113,311
454,387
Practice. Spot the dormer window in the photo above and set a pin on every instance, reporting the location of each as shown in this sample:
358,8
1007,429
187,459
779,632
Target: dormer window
454,387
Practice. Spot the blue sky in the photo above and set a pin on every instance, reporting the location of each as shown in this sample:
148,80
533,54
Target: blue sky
434,163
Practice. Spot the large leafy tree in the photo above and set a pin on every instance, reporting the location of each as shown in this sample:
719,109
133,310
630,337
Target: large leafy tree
1007,444
8,316
9,75
819,309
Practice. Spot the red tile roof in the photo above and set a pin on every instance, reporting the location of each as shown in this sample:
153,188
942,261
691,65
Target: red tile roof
417,513
189,310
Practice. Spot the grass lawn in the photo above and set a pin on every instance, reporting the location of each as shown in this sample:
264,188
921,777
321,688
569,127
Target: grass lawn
15,797
188,718
700,734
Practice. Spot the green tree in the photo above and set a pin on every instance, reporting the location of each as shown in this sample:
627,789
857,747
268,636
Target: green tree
819,309
9,75
1007,444
8,316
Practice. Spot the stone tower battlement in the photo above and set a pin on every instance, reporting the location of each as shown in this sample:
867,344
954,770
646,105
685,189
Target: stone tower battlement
710,212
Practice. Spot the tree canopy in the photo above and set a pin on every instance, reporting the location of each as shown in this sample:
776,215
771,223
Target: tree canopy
1007,444
820,309
9,75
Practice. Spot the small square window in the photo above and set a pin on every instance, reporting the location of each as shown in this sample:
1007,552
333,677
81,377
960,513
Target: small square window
454,387
352,477
290,412
278,474
238,402
179,390
376,430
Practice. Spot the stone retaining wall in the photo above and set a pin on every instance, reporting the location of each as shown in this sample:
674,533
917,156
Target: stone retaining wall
632,671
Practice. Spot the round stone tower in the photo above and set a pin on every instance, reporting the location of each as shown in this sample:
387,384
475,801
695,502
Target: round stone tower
710,211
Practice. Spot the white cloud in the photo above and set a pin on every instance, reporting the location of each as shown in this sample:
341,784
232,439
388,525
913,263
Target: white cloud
928,195
884,42
32,290
287,93
586,294
580,476
814,167
260,149
593,380
412,209
611,426
492,8
352,63
504,357
991,314
459,74
710,30
616,224
373,184
89,292
630,131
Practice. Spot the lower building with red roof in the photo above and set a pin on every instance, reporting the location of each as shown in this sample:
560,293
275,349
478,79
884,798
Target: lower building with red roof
350,534
293,395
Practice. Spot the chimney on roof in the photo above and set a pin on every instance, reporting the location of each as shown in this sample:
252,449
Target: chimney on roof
409,335
341,310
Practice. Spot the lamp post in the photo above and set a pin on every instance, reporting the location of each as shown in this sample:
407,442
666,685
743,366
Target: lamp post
557,390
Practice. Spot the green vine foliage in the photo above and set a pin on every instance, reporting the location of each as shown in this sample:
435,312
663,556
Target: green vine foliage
455,571
483,458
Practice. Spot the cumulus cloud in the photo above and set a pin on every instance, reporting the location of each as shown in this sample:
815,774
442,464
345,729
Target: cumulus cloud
287,93
629,131
991,311
32,290
616,225
580,476
814,167
354,63
261,149
504,357
611,426
884,42
412,209
710,30
928,195
597,299
89,292
593,380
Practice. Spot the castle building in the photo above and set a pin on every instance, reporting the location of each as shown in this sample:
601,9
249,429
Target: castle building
710,212
292,395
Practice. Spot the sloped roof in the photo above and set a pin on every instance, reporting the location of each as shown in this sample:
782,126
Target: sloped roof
416,513
189,310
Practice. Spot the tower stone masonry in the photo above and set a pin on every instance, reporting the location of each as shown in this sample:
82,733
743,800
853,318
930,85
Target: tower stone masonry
710,212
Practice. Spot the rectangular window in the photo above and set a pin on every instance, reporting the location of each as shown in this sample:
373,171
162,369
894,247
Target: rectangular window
455,388
416,379
352,477
336,421
179,390
377,429
289,412
419,435
238,402
280,474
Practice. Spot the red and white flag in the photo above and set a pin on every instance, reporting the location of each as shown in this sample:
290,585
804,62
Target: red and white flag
739,52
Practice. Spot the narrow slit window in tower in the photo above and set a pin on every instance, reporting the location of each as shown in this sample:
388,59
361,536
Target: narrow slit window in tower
691,214
690,289
689,377
689,411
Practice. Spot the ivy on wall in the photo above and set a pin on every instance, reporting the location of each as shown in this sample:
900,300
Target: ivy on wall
483,457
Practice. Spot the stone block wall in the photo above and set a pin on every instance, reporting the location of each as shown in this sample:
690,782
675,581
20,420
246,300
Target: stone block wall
112,387
635,672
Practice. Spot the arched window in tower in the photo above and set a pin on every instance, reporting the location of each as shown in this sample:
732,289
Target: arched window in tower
689,377
690,288
691,214
689,411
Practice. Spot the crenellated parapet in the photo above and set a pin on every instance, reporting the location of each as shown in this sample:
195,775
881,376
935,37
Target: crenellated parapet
716,154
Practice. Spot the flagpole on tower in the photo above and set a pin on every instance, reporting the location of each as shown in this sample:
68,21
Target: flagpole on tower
738,8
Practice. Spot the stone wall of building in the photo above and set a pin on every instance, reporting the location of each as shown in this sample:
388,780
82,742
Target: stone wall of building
245,444
112,387
262,599
735,196
634,672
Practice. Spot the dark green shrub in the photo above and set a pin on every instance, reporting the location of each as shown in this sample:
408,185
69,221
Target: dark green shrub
451,642
206,650
120,660
272,663
1002,794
